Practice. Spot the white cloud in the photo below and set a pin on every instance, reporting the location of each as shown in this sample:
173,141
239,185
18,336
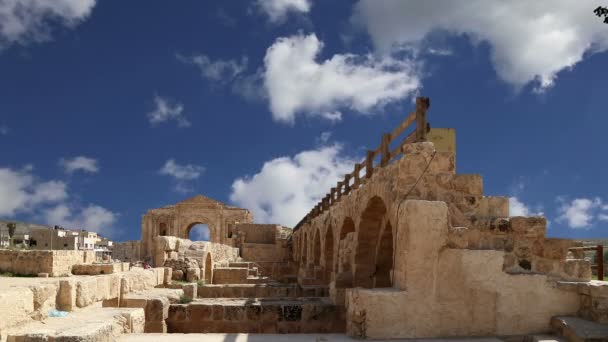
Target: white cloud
21,192
580,212
183,175
277,10
24,21
82,163
297,82
91,218
286,188
166,111
181,172
529,40
4,130
518,208
219,70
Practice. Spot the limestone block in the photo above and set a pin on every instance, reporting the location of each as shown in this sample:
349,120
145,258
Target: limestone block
167,276
493,206
86,292
193,274
44,296
190,290
177,275
16,305
577,269
159,327
66,297
529,227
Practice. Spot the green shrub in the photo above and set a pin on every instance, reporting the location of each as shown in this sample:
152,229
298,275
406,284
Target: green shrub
184,300
201,282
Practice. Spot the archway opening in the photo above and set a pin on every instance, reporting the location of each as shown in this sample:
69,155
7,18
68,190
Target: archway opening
199,232
384,258
367,241
344,252
317,249
304,249
328,252
208,269
162,229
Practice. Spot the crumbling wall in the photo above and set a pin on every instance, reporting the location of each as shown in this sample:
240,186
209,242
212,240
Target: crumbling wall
54,263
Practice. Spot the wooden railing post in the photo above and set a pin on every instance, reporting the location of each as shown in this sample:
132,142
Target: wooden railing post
339,190
325,202
386,153
422,104
369,164
600,262
332,196
346,184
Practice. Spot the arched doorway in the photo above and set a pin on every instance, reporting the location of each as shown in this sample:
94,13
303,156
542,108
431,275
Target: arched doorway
304,250
348,226
162,229
328,252
384,258
367,241
199,232
317,248
208,269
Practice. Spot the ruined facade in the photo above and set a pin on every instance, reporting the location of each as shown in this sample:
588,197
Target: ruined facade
177,220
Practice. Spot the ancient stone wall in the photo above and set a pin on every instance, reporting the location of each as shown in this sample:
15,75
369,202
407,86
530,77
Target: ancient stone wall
418,251
257,233
127,251
54,263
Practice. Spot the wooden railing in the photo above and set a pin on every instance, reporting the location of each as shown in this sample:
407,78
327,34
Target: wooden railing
599,249
353,180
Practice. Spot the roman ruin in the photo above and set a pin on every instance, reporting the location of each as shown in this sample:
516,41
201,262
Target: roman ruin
402,247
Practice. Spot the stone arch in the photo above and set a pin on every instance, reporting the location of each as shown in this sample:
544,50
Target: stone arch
304,249
197,222
368,233
348,226
317,248
208,269
384,258
328,252
162,229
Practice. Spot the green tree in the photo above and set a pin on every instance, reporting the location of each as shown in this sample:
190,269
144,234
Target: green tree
12,226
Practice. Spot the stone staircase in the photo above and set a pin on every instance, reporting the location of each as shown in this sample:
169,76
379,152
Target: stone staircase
576,329
257,315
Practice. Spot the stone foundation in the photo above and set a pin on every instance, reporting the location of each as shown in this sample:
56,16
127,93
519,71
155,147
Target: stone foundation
54,263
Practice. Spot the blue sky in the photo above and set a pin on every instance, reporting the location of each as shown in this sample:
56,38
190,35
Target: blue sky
108,109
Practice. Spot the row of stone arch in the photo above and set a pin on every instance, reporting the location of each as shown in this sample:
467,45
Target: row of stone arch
369,265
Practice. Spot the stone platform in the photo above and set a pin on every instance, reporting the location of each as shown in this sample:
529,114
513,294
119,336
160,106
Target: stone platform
92,324
249,315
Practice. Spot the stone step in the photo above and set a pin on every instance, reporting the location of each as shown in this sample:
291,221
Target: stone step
274,338
155,303
575,329
544,338
224,315
91,324
261,291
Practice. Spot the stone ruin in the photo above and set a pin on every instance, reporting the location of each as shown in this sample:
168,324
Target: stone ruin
400,248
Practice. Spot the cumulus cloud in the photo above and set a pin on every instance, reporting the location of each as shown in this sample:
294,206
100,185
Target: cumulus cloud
580,213
277,10
518,208
182,175
218,70
79,163
530,41
165,111
91,218
297,82
24,21
20,191
286,188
